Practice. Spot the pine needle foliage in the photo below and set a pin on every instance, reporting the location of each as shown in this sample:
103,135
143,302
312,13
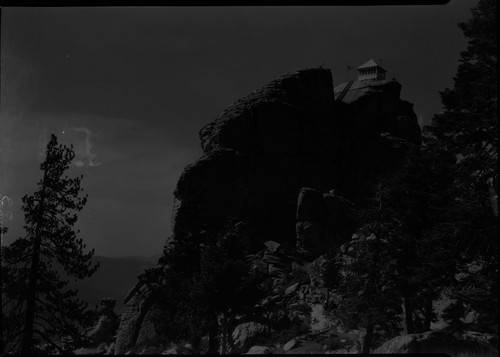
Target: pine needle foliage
42,315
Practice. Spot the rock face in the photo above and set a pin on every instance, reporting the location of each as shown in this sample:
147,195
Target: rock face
290,344
378,102
107,324
259,350
436,342
137,305
271,260
260,151
289,139
322,219
245,334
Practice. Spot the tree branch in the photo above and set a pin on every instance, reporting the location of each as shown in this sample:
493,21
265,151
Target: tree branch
48,340
50,310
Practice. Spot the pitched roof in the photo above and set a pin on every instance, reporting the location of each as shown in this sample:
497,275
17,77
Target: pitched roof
370,63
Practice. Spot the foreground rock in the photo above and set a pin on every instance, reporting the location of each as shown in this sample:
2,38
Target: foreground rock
245,334
437,342
290,344
259,350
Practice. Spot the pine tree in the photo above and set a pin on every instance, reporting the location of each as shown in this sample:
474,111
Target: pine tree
419,197
468,125
206,282
368,279
226,286
468,129
42,312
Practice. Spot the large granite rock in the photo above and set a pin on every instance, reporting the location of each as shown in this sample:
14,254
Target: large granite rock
378,104
437,342
272,260
310,205
261,150
245,335
322,220
259,350
106,326
137,305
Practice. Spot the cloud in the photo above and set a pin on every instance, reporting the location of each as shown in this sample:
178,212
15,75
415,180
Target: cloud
83,146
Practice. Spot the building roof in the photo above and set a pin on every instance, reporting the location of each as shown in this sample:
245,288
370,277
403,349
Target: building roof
371,63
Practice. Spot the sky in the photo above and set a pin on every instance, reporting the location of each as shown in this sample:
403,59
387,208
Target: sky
130,87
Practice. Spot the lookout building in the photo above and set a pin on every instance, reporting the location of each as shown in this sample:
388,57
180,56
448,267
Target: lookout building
371,70
370,75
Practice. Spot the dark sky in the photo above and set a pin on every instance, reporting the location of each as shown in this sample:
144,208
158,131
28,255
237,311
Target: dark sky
130,87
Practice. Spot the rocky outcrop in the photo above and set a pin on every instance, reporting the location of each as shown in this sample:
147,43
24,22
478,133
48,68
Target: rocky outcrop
137,305
245,335
377,103
311,216
271,260
260,151
257,156
437,342
323,219
106,326
100,337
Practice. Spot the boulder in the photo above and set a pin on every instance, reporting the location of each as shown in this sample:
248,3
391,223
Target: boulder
310,205
259,350
306,348
271,258
245,334
272,246
137,304
437,342
291,289
290,344
177,350
151,350
310,236
105,329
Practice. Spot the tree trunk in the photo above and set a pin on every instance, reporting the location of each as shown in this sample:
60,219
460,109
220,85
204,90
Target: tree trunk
493,200
27,339
195,344
223,334
429,314
408,312
213,341
367,342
